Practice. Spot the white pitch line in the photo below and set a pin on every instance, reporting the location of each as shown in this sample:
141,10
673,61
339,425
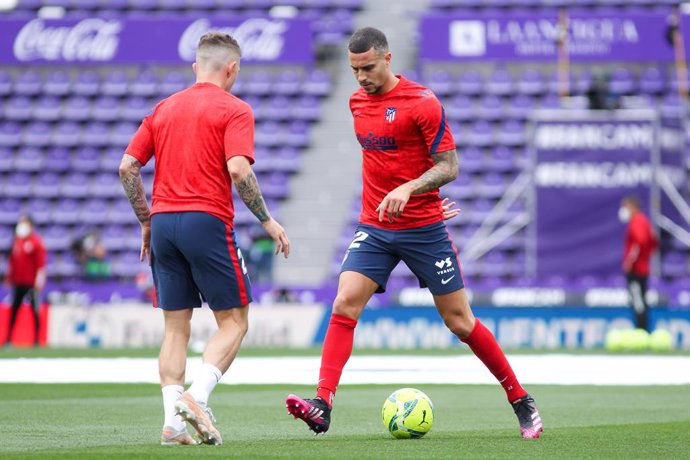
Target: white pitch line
558,369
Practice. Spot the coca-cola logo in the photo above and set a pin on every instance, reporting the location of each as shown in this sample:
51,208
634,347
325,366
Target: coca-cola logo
90,39
261,39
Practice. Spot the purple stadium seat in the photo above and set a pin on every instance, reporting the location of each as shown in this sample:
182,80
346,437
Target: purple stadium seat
143,4
6,159
64,266
500,83
622,81
440,82
503,160
88,83
40,210
106,108
57,238
461,107
10,132
286,159
317,83
672,105
550,101
481,134
173,82
29,159
46,185
28,83
512,133
37,133
259,83
530,82
306,108
120,211
491,107
57,83
144,84
105,185
86,160
17,185
66,211
111,158
267,134
92,211
95,134
520,106
478,210
297,134
74,185
472,160
76,108
582,83
6,238
66,134
121,134
128,265
115,84
47,108
471,83
57,160
652,81
495,263
287,83
278,108
5,83
674,82
411,74
18,108
491,185
461,188
10,208
135,109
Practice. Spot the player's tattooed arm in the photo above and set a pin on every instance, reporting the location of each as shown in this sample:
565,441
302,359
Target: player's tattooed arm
248,189
130,176
445,170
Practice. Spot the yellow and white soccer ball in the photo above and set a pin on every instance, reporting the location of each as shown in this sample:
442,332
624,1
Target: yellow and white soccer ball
408,413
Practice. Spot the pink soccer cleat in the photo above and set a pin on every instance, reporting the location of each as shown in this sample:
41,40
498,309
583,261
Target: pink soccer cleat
530,421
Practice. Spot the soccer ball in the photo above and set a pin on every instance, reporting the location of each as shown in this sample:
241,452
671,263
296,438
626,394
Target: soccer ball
408,413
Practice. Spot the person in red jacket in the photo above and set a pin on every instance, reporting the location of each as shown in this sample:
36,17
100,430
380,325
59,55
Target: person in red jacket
26,272
640,244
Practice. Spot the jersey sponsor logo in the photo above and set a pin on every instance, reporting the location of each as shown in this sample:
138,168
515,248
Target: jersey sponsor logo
444,266
372,142
443,263
390,114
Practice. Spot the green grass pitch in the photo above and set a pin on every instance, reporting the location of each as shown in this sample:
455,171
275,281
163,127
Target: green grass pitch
471,421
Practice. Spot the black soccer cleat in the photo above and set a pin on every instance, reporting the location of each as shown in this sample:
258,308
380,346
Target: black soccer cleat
315,412
530,421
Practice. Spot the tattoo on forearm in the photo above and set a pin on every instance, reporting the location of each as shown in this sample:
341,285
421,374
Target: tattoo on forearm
445,170
248,189
130,176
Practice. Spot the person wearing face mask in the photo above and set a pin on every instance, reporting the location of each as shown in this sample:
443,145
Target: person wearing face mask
640,244
26,272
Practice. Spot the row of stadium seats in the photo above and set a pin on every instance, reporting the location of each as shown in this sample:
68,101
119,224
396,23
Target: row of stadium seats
483,5
151,83
124,5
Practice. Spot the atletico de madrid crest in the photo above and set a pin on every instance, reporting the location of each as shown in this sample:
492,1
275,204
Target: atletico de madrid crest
390,114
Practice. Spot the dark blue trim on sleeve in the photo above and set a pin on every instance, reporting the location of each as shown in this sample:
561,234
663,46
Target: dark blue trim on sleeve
440,133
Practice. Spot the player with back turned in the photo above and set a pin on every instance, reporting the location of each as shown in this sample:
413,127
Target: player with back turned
408,153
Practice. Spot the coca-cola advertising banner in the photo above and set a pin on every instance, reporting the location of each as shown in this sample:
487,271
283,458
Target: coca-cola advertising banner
591,36
157,41
582,170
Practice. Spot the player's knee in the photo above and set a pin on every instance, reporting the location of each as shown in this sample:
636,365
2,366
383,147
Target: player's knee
460,324
346,305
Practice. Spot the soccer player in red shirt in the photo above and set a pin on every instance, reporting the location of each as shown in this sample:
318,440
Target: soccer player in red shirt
408,153
26,272
203,142
640,244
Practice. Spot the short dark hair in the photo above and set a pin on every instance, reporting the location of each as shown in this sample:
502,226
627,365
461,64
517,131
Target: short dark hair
367,38
219,40
633,201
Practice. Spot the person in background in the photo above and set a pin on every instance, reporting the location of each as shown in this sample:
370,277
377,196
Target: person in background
640,244
26,272
91,253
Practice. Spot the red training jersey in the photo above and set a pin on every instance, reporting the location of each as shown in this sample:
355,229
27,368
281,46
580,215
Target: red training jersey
192,135
27,258
399,132
640,233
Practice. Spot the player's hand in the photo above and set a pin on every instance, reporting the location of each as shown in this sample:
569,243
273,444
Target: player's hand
394,203
277,233
145,253
448,212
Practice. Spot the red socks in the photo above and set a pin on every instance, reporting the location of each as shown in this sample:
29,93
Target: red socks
337,348
485,346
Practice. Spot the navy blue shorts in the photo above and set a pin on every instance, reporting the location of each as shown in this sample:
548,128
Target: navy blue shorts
428,251
194,257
